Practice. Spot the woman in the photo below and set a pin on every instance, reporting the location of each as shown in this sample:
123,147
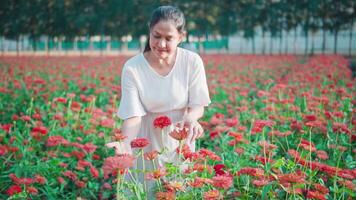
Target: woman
164,80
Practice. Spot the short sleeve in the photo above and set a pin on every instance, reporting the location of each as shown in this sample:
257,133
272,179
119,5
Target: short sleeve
198,87
130,103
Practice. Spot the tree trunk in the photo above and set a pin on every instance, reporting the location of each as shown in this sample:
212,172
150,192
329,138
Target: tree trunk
312,40
17,46
60,46
2,45
350,42
263,42
101,44
335,40
286,43
253,45
295,41
108,46
47,45
306,42
280,43
75,47
324,41
271,45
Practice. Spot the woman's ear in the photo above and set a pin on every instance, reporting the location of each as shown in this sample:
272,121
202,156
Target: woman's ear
182,36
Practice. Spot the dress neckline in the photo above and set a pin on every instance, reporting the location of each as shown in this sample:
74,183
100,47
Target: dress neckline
155,72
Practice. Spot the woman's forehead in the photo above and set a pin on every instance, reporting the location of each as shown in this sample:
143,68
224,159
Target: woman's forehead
165,28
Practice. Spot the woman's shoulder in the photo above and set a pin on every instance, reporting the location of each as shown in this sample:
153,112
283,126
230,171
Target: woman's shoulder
134,62
186,53
189,58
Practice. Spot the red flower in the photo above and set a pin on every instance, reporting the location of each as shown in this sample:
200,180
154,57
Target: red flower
260,183
122,162
309,118
14,189
315,195
322,155
32,190
71,175
139,143
43,130
231,122
54,140
3,150
223,182
6,127
40,179
212,195
165,196
60,100
219,169
107,123
162,122
179,134
151,155
156,174
89,147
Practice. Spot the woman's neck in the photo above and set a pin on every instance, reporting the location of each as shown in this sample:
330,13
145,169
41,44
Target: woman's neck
160,63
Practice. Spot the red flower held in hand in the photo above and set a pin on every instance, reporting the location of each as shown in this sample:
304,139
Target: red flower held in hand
162,122
179,134
139,143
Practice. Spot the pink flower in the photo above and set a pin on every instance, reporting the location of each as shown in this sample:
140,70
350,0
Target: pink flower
223,182
122,162
179,134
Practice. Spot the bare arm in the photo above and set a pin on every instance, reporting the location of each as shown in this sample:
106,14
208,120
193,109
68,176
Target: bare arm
194,114
130,128
190,120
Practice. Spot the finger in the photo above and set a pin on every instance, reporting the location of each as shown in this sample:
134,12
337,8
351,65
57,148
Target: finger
194,134
180,125
200,132
191,134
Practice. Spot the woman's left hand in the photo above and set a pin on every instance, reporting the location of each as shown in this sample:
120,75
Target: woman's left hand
194,127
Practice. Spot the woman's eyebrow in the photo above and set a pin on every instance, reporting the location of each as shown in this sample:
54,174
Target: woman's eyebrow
158,33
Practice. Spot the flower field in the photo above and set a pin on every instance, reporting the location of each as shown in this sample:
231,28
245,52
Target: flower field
278,127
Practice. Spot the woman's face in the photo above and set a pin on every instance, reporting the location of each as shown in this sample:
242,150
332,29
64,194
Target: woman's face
164,39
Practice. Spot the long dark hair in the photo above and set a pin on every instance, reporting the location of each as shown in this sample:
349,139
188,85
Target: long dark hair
166,13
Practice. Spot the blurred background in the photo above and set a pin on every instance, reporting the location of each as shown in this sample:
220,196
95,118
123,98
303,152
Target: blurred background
218,26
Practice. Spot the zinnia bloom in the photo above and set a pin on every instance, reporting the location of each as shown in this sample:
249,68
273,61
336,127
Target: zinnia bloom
219,169
162,122
139,143
14,189
150,155
223,182
212,195
114,163
54,140
165,196
179,134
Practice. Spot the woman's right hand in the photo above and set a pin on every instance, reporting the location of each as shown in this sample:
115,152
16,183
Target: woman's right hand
120,147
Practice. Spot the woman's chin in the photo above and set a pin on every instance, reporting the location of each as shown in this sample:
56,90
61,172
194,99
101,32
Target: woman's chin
161,55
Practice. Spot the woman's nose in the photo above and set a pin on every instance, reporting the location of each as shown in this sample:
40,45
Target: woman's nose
162,43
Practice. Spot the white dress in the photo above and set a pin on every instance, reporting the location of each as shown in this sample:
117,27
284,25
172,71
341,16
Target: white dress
148,94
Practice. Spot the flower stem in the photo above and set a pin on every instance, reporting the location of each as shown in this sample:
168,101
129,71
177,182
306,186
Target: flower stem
143,170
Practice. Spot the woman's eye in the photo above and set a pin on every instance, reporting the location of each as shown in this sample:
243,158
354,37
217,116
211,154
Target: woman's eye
156,36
